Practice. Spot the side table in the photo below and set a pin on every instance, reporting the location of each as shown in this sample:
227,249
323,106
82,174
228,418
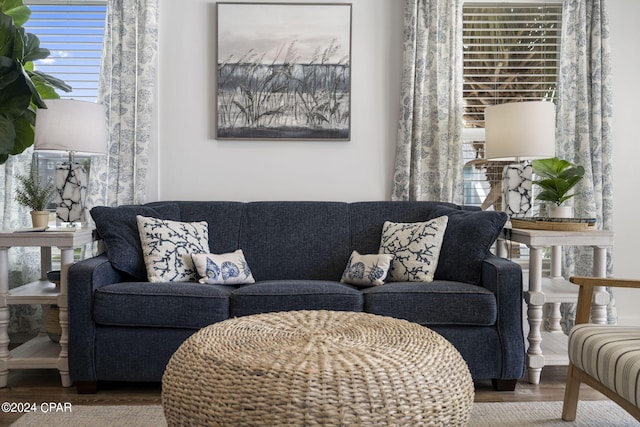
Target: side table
555,289
39,352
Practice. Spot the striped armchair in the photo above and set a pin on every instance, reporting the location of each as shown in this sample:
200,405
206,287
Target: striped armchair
605,357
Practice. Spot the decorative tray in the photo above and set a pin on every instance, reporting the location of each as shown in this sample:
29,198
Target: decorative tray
554,224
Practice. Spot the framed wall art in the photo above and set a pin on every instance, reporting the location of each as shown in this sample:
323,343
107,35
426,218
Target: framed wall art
284,71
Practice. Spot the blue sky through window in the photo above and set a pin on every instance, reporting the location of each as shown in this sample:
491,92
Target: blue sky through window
74,35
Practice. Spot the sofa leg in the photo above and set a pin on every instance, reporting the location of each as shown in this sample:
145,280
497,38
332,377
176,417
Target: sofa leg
503,385
86,387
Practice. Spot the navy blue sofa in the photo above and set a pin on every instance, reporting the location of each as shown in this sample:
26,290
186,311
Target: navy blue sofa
123,328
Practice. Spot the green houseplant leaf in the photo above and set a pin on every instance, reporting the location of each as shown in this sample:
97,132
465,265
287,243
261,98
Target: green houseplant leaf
16,10
7,134
558,177
22,89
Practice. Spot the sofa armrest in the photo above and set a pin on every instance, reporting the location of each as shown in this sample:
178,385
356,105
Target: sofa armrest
504,278
84,278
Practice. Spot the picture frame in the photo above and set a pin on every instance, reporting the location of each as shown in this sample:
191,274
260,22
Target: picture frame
283,71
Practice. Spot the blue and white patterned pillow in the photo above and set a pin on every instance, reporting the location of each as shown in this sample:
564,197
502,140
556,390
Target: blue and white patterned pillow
415,248
366,270
223,269
167,247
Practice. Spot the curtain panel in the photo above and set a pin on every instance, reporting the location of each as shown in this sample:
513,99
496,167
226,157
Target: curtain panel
584,120
127,88
429,162
584,111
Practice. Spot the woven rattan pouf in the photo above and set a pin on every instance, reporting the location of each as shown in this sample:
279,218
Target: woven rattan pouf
308,368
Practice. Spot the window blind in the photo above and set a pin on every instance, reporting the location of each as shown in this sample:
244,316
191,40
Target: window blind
73,31
510,54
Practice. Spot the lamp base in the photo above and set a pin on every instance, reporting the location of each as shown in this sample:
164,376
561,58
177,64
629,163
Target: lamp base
71,186
516,184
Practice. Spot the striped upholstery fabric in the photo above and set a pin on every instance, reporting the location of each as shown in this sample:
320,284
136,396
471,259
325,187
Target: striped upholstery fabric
611,354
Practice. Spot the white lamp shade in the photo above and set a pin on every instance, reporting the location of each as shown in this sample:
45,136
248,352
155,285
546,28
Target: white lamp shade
71,125
520,131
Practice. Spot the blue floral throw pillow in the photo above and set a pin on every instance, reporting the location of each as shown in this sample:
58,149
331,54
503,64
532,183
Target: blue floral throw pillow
366,270
167,247
223,269
415,248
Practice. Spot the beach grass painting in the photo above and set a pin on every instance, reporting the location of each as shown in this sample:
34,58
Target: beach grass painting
284,71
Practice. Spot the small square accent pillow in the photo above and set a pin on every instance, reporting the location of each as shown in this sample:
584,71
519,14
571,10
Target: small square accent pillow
366,270
167,247
223,269
415,248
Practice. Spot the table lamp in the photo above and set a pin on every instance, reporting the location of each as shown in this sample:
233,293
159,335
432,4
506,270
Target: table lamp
78,127
519,131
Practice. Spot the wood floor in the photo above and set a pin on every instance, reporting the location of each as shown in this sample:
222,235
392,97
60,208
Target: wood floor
44,386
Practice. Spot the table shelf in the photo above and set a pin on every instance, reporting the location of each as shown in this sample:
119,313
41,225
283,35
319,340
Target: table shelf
558,289
38,292
39,352
550,347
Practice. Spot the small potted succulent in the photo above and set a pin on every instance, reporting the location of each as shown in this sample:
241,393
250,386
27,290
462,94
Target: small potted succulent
36,196
556,178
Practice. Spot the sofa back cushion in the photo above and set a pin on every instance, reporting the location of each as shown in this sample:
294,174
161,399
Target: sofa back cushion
224,219
366,220
469,235
118,228
296,240
305,240
467,242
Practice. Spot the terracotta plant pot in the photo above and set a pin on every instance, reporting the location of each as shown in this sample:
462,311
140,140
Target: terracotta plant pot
40,219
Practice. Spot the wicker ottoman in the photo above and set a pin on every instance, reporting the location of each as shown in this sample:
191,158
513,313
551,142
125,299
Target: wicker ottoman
307,368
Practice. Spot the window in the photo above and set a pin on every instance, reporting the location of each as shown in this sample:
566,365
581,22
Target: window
510,54
73,31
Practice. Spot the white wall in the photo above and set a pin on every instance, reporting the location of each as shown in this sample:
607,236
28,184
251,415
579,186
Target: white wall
625,40
193,165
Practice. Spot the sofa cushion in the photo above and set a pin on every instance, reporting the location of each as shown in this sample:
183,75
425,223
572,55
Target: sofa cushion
167,305
415,248
224,219
467,242
287,295
367,218
366,270
119,231
223,269
167,247
296,240
435,303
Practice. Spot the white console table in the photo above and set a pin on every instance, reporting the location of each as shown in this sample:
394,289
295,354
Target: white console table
555,289
39,352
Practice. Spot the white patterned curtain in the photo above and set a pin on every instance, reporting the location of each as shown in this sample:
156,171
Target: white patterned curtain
127,87
584,118
429,161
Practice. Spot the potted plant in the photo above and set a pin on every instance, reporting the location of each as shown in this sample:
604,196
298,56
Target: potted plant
32,194
22,88
557,178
